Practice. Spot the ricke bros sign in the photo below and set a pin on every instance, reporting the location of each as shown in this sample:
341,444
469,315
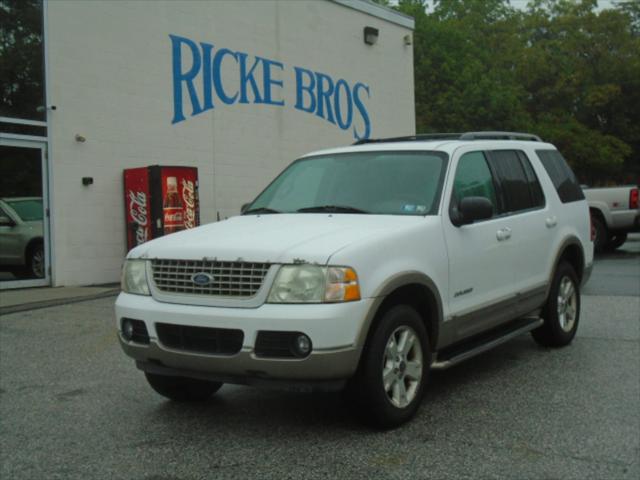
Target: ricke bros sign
198,67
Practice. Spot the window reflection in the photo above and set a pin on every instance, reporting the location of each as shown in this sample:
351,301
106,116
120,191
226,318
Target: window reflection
21,214
21,60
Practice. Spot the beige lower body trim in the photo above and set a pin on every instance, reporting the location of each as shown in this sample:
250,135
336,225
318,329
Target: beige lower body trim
322,365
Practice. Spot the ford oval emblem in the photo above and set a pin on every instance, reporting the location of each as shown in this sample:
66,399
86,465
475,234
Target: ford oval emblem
201,279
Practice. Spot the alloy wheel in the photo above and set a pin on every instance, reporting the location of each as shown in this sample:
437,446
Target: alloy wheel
567,304
402,366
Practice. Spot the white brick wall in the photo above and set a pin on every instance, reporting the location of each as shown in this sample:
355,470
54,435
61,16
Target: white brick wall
111,80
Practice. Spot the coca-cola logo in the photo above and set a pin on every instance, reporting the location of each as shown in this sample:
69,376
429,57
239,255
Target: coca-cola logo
139,214
174,217
189,199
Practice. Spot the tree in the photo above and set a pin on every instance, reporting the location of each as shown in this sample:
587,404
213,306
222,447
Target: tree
21,59
560,69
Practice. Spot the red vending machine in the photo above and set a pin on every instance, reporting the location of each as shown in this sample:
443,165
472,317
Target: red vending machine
158,201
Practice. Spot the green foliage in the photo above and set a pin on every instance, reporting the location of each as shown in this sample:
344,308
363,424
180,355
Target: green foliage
561,69
21,59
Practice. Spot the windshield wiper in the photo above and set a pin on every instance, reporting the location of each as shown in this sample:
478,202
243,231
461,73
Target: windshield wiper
261,210
331,209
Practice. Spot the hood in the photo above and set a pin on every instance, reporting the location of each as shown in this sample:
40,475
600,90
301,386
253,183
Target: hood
278,238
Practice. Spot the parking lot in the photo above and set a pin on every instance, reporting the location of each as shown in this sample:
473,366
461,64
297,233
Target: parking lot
73,406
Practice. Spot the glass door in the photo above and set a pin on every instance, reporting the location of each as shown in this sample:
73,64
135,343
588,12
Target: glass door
24,226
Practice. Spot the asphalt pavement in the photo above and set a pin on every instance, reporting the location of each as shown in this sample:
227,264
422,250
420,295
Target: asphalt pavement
72,406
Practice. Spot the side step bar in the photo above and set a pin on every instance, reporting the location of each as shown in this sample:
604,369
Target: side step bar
457,353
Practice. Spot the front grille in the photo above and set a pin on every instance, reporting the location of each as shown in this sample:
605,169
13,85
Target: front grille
227,279
217,341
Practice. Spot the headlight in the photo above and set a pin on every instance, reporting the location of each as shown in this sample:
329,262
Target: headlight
134,277
314,284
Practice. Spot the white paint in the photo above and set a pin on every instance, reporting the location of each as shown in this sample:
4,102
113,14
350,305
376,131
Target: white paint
109,75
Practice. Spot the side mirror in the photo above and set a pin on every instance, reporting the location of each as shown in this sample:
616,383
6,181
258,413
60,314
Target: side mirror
6,221
472,209
244,207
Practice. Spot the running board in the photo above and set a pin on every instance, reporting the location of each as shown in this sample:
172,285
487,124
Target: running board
455,354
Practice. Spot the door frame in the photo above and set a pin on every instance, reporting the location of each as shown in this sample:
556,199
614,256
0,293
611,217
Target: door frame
38,143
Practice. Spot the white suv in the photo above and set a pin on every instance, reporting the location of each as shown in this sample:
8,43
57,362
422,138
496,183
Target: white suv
363,268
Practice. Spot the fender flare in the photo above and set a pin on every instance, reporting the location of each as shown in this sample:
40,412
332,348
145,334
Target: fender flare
571,240
399,280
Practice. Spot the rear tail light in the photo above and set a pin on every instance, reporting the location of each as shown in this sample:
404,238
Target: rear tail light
633,199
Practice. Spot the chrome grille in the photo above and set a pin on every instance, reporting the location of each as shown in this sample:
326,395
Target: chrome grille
230,279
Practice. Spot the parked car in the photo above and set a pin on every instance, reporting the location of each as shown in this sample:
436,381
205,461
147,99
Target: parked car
362,268
615,212
21,237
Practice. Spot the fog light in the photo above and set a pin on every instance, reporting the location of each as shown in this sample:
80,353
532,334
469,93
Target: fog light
127,329
302,345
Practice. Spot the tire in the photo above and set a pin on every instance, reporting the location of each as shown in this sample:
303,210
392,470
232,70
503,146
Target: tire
616,241
388,404
35,261
181,389
601,234
561,313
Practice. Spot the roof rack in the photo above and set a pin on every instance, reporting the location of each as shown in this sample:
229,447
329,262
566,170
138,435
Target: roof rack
500,136
455,136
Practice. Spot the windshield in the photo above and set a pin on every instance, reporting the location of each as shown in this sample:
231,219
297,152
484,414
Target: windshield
393,183
28,210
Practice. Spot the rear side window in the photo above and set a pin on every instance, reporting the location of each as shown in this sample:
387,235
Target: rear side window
532,179
561,175
518,184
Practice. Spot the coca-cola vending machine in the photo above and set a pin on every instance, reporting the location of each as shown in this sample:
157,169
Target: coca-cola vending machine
159,201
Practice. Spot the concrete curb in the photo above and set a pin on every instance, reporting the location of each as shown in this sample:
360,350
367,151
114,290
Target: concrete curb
55,302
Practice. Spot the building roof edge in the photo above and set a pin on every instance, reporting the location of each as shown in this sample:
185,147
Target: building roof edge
379,11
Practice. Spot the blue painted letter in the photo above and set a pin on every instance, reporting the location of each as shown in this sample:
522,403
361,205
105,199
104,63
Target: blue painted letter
342,85
363,111
301,88
217,78
268,81
325,91
206,75
248,77
187,77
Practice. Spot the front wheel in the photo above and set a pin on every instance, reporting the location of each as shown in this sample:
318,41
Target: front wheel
389,385
561,313
181,389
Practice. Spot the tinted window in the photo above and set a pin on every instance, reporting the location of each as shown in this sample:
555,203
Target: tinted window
514,184
532,179
473,179
561,175
29,209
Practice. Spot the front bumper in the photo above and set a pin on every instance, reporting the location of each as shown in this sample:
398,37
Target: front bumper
334,329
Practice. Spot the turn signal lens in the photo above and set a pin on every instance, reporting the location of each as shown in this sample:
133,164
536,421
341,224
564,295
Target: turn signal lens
342,285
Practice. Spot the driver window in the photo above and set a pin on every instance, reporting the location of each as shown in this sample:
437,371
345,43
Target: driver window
473,179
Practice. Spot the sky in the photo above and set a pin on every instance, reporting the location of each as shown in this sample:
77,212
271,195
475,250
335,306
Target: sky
602,4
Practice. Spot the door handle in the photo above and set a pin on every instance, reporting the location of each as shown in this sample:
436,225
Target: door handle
551,221
503,234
